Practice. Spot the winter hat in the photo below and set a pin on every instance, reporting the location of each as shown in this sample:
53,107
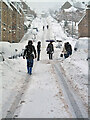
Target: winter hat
39,42
30,42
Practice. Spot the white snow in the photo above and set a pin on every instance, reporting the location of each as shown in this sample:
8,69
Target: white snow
71,9
44,96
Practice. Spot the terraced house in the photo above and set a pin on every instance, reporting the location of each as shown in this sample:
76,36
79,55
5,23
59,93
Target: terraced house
12,22
6,21
84,24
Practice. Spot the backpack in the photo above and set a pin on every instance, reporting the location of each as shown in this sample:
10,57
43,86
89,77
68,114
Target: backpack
30,52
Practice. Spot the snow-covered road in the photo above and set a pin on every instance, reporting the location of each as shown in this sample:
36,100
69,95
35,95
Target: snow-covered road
49,92
44,97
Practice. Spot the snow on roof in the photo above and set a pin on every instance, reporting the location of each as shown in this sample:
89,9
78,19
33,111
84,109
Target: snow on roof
15,8
27,23
88,5
7,3
81,19
79,5
71,9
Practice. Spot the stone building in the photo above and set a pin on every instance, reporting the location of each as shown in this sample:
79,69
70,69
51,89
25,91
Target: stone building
84,23
6,21
18,21
21,23
0,21
13,16
11,22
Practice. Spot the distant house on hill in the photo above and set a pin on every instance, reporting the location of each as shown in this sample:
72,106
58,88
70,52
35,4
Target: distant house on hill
84,23
80,5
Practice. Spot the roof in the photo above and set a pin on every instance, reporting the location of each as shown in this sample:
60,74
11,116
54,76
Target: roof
7,3
15,8
81,19
66,5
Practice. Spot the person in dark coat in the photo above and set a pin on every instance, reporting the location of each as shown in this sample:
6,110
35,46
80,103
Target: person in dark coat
43,28
47,26
38,50
30,54
50,50
67,49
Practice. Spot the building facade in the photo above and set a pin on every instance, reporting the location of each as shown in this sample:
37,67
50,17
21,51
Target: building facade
83,26
11,22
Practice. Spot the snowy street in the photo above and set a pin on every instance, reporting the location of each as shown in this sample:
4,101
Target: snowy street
54,90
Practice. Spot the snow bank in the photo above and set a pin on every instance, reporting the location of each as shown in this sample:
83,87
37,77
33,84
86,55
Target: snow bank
83,43
10,49
76,69
13,77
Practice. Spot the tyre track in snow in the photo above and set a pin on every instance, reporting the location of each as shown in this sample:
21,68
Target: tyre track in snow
17,99
69,95
72,98
74,101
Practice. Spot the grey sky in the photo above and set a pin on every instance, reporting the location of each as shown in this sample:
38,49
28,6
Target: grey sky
53,0
44,5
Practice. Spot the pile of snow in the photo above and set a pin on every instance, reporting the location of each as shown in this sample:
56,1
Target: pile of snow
27,23
12,77
10,49
83,43
76,69
71,9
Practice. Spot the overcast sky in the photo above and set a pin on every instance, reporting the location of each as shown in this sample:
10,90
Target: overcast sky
44,5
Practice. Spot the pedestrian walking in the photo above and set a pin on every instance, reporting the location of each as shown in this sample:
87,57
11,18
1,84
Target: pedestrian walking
38,50
43,28
47,26
30,54
50,50
67,50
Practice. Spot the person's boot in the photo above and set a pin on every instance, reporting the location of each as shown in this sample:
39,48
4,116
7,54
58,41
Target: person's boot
30,71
